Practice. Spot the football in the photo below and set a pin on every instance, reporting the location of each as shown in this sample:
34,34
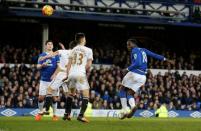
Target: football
47,10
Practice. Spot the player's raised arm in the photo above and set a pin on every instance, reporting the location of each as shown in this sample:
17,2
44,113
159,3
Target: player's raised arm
159,57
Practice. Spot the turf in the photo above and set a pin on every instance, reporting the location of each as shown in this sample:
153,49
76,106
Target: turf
100,124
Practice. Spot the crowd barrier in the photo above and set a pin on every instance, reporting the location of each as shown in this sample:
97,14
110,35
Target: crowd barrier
99,113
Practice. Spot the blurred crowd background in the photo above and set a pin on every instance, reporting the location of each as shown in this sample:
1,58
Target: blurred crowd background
19,82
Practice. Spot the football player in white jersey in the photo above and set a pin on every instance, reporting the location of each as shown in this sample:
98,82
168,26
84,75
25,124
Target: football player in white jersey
59,75
79,64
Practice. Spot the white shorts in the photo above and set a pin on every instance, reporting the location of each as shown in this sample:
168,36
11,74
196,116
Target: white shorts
57,82
43,87
78,82
133,81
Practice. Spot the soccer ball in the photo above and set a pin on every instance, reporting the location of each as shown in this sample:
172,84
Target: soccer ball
47,10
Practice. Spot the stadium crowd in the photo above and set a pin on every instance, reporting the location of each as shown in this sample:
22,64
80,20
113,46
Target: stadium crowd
119,57
19,88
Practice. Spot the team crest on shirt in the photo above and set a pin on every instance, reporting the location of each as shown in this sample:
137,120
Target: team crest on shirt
49,62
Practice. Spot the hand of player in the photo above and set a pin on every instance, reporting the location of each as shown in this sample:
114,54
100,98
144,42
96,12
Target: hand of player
62,46
44,64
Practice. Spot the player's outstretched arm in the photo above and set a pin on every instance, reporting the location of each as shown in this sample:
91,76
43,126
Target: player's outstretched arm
49,56
40,66
154,55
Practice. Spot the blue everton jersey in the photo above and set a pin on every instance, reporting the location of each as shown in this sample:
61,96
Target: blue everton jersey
139,60
47,72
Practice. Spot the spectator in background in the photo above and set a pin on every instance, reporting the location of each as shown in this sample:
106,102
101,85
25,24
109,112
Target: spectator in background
19,86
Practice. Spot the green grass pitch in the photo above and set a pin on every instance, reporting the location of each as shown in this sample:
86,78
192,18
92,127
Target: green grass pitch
100,124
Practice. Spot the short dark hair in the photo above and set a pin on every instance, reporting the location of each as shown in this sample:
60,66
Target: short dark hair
134,41
78,36
72,44
48,41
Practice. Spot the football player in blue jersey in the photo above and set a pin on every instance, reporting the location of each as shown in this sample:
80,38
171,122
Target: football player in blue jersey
47,69
136,76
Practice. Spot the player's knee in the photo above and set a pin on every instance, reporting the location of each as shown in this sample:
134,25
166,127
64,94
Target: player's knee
55,99
85,93
41,99
49,90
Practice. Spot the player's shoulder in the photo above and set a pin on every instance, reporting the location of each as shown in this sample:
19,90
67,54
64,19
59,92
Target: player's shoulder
137,49
84,48
88,49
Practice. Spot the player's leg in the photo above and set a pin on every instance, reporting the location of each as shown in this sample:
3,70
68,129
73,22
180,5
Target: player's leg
48,102
41,98
41,102
123,99
68,106
54,90
130,97
85,101
132,103
123,95
54,108
69,90
134,85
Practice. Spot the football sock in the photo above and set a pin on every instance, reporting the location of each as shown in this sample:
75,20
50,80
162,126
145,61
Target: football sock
68,106
48,102
131,101
122,95
54,107
40,106
85,101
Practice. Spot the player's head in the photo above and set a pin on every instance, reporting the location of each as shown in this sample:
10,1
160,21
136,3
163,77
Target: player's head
131,43
49,45
72,44
80,38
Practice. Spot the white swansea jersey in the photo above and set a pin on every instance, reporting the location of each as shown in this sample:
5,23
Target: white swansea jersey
79,55
64,58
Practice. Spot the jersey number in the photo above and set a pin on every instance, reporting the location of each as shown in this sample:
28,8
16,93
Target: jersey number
77,59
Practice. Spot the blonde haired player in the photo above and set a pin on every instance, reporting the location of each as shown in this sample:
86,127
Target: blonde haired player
79,64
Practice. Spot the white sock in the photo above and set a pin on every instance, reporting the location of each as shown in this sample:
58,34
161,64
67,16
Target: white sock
54,108
40,106
131,102
124,103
